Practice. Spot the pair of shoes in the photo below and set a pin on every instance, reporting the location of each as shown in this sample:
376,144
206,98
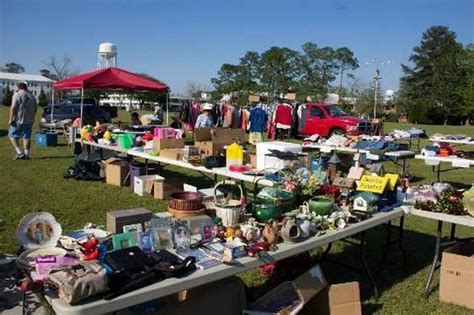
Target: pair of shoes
20,156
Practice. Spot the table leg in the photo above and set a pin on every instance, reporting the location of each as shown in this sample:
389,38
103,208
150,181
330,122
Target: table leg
453,232
366,265
438,172
146,166
400,241
436,260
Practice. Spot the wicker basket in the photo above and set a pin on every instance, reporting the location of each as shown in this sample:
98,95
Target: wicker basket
229,211
185,201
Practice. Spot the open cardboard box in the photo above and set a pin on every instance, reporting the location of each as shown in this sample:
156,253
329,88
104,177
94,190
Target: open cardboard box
116,171
211,141
457,275
335,299
290,296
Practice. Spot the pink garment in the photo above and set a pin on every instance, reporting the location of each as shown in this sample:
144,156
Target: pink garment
195,112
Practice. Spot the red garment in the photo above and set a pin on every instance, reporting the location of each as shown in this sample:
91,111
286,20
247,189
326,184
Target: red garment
283,114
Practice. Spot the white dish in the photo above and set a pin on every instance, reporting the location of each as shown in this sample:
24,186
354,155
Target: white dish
38,229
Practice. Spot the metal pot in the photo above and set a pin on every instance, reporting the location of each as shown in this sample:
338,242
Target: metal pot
265,208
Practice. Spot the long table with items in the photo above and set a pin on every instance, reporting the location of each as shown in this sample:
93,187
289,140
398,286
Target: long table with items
436,161
220,171
441,218
393,156
200,277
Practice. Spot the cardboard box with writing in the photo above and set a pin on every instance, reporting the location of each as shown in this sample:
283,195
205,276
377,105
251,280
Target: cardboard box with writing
457,275
116,171
335,299
212,141
161,144
116,219
290,296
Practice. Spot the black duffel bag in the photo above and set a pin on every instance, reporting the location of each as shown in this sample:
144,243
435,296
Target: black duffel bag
84,170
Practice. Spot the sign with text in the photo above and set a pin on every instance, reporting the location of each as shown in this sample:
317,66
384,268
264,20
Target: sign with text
392,180
374,184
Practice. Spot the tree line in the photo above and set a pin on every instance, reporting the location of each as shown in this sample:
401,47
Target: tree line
308,72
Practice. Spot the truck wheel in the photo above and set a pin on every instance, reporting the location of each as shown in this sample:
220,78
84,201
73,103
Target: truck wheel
337,131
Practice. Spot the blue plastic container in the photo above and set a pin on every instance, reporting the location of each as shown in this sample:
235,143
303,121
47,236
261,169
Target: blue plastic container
46,139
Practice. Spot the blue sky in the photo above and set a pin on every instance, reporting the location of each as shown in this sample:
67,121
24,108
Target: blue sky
180,41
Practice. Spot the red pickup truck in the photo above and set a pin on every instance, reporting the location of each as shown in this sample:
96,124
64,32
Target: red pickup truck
326,120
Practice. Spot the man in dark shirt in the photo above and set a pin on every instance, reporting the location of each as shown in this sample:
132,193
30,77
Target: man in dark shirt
22,117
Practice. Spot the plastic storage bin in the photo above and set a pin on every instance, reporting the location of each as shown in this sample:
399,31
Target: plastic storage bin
46,139
139,170
164,133
265,161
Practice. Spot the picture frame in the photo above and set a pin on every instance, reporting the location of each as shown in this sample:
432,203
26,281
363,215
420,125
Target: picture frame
181,235
163,237
124,240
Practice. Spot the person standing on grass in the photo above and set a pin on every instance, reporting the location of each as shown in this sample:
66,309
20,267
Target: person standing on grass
22,117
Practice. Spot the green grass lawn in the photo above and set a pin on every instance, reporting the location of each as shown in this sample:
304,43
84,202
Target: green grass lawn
38,184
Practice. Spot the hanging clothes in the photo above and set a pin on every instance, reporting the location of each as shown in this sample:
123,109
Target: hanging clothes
231,117
244,118
283,116
195,112
258,120
301,113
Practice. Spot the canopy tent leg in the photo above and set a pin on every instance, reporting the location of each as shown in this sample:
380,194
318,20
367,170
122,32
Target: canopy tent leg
167,109
82,105
52,108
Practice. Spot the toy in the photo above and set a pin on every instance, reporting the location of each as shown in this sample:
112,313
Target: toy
270,233
90,249
257,248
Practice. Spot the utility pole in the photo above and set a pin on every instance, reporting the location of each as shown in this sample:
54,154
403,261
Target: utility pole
377,78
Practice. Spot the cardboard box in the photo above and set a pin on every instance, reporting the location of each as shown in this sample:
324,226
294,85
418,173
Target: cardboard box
212,141
290,296
143,185
456,283
163,189
161,144
172,154
335,299
116,171
116,219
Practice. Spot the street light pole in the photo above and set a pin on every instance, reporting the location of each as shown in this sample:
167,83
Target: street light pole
377,77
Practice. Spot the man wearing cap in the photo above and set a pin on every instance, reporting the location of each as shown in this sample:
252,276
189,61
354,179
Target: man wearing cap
22,117
205,120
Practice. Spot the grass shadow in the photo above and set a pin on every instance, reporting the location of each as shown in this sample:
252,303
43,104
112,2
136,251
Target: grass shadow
54,157
3,133
419,248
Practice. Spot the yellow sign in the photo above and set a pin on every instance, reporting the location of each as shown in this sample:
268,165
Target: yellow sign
374,184
392,180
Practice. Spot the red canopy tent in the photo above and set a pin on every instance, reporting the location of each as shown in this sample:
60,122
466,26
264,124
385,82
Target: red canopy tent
110,78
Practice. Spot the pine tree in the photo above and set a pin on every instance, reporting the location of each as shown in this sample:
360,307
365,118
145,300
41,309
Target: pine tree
436,75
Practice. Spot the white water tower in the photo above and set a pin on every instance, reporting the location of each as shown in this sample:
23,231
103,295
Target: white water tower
107,56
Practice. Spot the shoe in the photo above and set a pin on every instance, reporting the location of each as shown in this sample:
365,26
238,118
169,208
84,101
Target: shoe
26,157
19,157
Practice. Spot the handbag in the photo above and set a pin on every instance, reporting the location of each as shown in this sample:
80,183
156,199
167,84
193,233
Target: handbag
211,162
127,260
78,282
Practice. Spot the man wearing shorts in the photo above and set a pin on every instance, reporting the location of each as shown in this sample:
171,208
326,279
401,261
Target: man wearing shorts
22,117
